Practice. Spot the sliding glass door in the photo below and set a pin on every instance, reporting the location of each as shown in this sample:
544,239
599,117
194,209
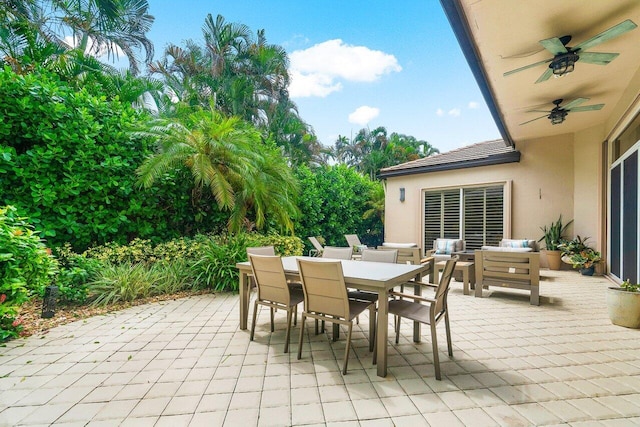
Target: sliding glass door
624,242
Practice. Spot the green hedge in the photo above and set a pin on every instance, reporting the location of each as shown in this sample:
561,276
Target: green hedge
68,161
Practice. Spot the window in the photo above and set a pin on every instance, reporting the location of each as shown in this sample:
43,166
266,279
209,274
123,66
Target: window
474,214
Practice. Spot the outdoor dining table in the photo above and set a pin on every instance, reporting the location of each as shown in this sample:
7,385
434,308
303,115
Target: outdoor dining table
370,276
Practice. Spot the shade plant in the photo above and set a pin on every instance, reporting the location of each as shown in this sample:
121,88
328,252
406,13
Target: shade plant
578,253
25,268
554,234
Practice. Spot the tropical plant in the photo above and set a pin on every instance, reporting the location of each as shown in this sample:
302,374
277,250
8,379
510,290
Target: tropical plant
630,287
578,253
553,234
225,157
39,31
25,268
334,203
122,283
371,150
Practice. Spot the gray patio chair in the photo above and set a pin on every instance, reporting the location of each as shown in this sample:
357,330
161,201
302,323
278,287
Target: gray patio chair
372,255
335,252
427,310
317,247
273,291
325,298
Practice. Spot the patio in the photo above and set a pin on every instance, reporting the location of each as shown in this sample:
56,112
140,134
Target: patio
185,362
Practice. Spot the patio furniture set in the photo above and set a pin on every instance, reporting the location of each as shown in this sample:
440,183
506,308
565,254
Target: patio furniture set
336,284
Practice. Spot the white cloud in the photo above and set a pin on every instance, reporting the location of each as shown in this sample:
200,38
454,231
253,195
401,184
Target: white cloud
473,105
318,70
363,115
455,112
439,112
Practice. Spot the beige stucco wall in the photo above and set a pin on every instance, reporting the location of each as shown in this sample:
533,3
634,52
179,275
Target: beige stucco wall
555,175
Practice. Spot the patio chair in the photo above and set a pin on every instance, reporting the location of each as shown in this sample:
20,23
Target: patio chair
325,298
426,310
317,247
261,250
372,255
273,291
354,242
337,252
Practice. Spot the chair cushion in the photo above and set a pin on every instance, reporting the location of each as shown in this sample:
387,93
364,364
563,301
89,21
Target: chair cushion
518,243
400,245
447,246
505,249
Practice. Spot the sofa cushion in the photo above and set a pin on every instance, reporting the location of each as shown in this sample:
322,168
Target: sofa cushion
505,249
447,246
400,245
518,243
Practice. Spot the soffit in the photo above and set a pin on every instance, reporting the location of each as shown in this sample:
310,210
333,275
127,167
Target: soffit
506,34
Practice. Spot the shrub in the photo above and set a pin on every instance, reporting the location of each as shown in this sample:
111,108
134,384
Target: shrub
68,159
75,272
122,283
25,268
334,203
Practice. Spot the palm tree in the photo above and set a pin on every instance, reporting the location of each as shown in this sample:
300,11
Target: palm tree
225,156
90,26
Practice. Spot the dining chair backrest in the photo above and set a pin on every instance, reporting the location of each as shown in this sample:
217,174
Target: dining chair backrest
316,244
261,250
405,255
374,255
270,278
443,286
352,240
336,252
324,287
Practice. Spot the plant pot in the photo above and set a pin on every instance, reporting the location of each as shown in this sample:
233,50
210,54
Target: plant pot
588,271
554,259
624,307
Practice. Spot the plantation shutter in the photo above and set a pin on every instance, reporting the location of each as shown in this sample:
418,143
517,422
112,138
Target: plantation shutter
441,215
483,216
474,214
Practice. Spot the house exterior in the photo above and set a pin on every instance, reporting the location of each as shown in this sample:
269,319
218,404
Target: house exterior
584,168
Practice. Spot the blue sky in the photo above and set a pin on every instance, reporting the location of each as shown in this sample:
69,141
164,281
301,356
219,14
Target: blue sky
356,63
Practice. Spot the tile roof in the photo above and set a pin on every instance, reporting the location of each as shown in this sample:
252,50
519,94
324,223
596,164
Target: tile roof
480,154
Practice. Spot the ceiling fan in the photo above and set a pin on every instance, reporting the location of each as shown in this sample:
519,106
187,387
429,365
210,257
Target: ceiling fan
565,57
558,114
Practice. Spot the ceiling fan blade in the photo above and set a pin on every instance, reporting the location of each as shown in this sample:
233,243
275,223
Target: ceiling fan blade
597,58
615,31
537,118
587,108
554,45
526,67
545,76
539,111
574,103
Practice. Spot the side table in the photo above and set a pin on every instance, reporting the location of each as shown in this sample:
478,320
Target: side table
468,273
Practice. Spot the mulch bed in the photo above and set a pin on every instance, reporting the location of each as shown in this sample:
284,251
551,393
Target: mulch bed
33,323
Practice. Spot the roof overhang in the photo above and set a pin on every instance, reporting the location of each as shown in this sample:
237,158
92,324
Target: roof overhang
497,36
496,159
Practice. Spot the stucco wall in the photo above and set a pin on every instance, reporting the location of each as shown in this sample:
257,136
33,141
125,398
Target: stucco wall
588,184
542,189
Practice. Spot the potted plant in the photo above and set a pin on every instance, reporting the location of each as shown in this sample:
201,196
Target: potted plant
552,239
577,253
623,304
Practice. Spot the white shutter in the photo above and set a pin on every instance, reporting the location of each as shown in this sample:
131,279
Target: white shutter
481,209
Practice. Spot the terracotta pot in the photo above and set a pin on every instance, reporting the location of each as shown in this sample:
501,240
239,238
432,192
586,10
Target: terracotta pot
624,307
554,259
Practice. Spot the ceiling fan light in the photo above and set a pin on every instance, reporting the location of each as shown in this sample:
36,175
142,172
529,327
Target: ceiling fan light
563,64
557,117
